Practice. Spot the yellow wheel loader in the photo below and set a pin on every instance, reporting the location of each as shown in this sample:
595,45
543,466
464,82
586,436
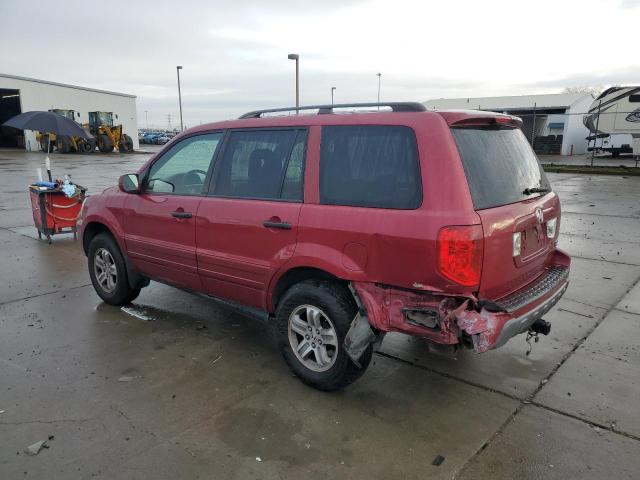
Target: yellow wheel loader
108,135
65,143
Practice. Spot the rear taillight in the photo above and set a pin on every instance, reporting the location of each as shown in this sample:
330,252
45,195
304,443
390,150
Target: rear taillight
460,254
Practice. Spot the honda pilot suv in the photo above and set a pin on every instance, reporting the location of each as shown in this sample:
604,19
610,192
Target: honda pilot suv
339,227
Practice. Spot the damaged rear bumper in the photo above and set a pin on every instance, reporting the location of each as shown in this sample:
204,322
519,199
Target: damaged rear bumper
452,320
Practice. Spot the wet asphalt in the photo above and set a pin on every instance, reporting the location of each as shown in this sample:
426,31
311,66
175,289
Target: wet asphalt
177,386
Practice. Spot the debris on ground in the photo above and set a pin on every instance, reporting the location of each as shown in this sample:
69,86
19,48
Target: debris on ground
258,459
125,379
36,447
2,411
136,312
215,360
438,461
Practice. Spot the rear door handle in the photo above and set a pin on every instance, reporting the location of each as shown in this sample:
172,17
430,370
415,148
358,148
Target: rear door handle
280,225
181,214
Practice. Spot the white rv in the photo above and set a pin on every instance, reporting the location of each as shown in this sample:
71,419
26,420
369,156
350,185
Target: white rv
614,113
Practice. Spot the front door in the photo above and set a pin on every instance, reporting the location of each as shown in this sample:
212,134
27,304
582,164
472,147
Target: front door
160,221
247,226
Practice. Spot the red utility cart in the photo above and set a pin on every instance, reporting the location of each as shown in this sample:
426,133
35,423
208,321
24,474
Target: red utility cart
54,212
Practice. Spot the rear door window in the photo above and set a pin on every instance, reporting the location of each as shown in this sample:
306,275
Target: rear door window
262,164
499,164
370,166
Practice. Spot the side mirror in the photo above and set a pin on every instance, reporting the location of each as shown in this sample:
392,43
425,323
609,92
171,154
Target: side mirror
129,183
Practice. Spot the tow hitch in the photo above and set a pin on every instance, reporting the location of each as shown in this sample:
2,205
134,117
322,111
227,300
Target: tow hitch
538,327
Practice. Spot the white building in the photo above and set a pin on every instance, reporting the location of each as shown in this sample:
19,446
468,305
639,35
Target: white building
20,94
544,117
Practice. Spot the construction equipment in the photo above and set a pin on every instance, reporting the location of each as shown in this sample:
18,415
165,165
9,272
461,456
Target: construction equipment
65,143
108,135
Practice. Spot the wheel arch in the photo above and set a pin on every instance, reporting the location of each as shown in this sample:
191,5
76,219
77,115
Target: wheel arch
92,230
296,275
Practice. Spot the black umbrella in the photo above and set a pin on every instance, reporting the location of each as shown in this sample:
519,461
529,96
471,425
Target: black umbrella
48,122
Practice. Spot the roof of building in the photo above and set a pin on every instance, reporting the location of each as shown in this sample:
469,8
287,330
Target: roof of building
514,102
47,82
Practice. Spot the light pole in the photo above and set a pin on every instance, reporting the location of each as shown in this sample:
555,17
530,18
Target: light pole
146,118
296,57
178,68
332,89
379,76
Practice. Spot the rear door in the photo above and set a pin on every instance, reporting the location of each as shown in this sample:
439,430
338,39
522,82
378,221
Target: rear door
247,226
513,198
159,223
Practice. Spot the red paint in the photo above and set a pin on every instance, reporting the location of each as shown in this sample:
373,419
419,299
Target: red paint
225,250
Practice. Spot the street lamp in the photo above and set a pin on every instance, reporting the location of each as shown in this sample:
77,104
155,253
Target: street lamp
379,76
296,57
332,89
146,118
178,68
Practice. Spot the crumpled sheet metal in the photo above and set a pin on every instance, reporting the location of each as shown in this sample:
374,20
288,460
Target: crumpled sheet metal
384,307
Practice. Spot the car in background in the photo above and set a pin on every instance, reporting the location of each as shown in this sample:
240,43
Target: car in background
161,139
336,229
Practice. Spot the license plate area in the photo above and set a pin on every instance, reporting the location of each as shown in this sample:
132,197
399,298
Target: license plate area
532,241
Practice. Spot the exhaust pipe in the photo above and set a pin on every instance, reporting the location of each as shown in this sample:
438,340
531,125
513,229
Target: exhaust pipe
541,326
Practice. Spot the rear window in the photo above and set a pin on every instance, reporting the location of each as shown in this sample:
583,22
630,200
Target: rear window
372,166
499,165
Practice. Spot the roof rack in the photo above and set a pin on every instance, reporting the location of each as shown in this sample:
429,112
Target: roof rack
326,109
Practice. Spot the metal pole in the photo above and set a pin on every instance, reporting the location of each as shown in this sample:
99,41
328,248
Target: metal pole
379,76
595,140
178,68
297,84
146,118
332,89
533,127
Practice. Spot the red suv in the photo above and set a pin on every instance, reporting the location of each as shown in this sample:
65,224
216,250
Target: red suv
338,228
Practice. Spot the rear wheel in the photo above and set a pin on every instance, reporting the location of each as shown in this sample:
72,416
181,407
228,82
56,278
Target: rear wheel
87,146
108,271
313,319
105,145
63,143
127,143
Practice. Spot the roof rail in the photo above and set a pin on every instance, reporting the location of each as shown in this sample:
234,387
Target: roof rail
325,109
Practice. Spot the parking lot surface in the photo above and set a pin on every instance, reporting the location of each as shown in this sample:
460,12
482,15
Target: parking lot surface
176,386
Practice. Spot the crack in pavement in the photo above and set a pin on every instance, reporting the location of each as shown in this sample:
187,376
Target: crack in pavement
529,399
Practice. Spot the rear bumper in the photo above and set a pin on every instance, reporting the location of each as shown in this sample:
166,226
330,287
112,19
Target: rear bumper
450,320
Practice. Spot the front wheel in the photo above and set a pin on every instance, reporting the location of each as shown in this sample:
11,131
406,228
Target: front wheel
313,319
108,271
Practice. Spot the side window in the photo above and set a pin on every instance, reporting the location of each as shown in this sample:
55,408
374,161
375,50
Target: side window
266,164
183,169
370,166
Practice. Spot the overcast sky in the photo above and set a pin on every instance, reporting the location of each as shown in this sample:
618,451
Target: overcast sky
234,52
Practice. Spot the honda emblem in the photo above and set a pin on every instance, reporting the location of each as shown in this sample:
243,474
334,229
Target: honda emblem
539,215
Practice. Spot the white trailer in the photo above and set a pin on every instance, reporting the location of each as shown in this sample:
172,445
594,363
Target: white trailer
615,112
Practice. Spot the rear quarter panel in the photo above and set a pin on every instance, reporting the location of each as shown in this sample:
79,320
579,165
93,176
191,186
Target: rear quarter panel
394,247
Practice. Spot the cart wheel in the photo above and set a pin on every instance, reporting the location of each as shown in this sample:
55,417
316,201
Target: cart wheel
49,239
39,234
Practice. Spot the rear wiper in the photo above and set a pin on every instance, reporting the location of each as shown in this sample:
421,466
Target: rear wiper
529,191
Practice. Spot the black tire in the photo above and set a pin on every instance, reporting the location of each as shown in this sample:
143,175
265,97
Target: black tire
44,144
63,143
122,292
615,153
127,142
105,145
86,146
337,303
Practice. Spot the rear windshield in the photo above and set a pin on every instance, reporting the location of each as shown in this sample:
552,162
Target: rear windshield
499,165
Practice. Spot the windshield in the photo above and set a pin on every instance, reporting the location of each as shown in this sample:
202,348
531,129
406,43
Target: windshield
500,166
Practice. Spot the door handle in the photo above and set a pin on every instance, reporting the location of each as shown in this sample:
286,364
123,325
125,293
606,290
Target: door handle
181,214
280,225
